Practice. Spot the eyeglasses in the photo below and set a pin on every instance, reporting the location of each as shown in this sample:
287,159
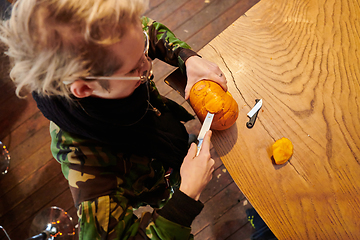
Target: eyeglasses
144,78
145,67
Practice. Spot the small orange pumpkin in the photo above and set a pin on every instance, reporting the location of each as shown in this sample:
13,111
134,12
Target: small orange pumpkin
208,96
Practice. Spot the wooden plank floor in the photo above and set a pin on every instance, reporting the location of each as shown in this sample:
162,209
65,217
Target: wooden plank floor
35,181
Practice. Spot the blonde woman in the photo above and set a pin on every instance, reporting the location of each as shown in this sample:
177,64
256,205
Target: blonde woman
120,144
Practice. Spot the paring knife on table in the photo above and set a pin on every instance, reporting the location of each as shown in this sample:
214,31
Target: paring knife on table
253,113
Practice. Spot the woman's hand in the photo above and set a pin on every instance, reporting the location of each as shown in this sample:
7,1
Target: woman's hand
198,69
196,171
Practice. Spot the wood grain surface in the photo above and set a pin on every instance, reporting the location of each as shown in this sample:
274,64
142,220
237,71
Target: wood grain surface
302,58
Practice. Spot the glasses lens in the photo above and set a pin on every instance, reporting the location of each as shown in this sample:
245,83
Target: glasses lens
146,39
146,70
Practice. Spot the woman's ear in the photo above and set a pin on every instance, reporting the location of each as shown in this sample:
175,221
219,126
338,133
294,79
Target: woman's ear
82,89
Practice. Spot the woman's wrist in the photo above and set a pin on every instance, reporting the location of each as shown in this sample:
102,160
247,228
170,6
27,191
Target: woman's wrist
181,209
189,192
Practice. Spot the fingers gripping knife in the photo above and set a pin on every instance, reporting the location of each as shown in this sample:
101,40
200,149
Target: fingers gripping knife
205,127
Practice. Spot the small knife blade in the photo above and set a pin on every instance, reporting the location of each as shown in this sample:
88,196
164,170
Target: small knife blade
255,109
205,127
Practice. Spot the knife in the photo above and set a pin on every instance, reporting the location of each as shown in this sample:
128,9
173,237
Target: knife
205,127
253,113
255,109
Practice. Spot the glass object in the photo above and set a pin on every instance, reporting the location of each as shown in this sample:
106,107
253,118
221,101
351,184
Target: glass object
52,223
4,159
6,234
145,68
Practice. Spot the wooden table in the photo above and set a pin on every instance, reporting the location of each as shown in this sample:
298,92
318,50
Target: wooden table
302,57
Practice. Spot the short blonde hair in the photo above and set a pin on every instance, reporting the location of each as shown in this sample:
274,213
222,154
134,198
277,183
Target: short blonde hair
54,41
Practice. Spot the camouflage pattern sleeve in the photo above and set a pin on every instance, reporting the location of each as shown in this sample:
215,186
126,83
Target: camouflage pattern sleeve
165,46
109,217
107,185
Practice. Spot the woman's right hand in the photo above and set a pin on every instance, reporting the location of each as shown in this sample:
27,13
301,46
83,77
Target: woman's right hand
196,171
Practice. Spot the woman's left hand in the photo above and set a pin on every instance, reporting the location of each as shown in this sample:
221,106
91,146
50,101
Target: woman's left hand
198,69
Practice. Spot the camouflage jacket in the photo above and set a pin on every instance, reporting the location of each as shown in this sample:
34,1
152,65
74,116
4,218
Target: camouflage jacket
107,185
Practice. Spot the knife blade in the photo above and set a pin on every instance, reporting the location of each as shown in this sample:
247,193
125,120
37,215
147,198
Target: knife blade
255,109
205,127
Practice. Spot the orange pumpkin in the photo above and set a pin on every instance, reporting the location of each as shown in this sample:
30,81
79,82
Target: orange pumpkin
208,96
